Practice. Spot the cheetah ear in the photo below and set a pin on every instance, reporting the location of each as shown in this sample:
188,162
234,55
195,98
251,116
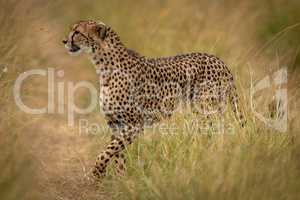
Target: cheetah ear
101,31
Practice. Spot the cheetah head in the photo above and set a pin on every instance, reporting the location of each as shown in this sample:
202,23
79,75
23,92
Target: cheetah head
85,35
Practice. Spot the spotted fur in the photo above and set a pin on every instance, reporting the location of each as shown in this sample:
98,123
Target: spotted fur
136,91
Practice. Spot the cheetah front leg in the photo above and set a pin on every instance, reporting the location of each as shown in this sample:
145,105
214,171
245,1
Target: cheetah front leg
120,162
114,149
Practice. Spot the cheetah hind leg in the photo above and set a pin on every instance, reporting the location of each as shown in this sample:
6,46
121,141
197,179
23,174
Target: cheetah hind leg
204,120
210,114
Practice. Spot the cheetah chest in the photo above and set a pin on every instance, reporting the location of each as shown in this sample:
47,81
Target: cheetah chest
104,97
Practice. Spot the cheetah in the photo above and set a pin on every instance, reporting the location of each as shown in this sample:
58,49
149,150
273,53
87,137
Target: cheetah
136,91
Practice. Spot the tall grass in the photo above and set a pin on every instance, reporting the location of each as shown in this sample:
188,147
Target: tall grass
43,158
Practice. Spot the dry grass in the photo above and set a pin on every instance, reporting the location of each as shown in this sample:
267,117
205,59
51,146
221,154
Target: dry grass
43,158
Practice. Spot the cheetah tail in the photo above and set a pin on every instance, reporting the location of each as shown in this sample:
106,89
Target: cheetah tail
234,101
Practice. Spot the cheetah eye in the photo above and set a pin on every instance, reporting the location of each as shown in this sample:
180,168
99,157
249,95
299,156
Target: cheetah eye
76,32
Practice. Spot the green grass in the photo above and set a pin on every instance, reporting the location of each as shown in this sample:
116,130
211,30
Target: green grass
235,167
43,158
252,163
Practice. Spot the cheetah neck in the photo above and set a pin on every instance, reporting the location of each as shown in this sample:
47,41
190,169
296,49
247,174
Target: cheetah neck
112,58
